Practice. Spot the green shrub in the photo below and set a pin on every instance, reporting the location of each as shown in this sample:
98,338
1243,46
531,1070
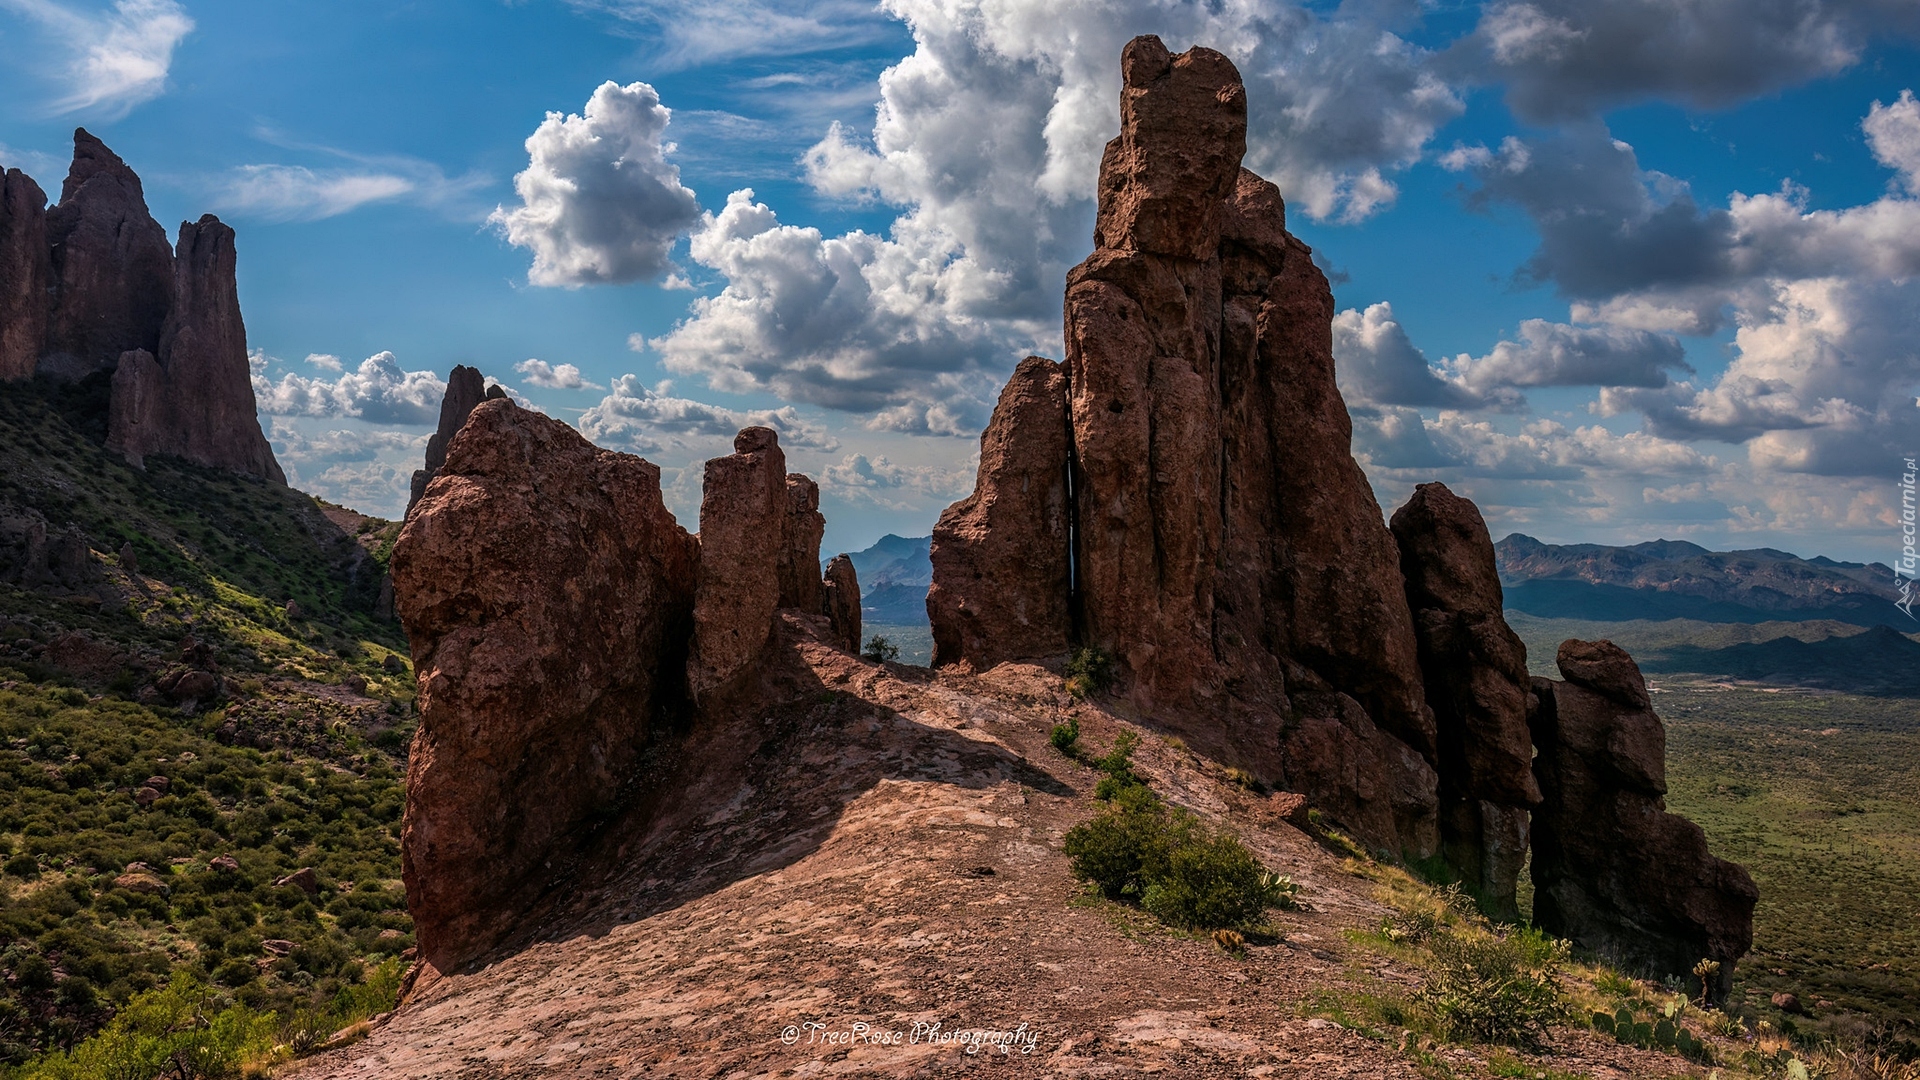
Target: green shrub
1064,736
1166,860
880,650
1494,989
182,1029
1089,671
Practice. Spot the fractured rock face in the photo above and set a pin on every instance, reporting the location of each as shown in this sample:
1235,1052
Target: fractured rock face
466,388
1612,870
1477,686
195,399
841,594
743,523
112,268
26,273
548,596
800,583
1001,579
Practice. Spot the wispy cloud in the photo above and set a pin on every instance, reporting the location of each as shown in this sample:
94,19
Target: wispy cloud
691,32
298,193
115,60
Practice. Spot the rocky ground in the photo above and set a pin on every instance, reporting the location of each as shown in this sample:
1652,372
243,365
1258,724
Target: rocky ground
878,888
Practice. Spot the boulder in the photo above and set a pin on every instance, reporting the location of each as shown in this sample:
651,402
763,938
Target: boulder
743,522
141,882
841,599
548,595
466,388
26,274
1001,572
800,583
225,864
112,269
303,879
129,559
1476,682
1613,870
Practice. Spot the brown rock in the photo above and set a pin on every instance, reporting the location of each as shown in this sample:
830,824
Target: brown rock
383,601
292,609
1477,684
225,864
113,271
159,783
800,558
1788,1002
393,665
141,882
303,879
193,398
1290,807
129,559
145,797
277,946
1370,784
26,273
466,388
547,594
743,521
1001,573
1612,870
841,596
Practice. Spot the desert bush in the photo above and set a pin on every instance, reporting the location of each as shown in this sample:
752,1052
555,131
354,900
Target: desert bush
1496,989
1064,736
880,650
1089,671
1164,859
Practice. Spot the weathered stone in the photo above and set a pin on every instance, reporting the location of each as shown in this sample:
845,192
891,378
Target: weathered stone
303,879
113,272
841,597
225,864
141,882
548,597
1612,870
194,398
466,388
800,557
1001,571
1368,782
1476,679
26,274
129,559
743,522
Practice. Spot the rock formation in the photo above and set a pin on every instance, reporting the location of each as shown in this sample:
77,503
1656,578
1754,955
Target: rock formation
548,596
1477,686
1001,579
26,274
1612,870
195,399
841,601
743,524
112,267
466,388
800,584
1226,548
90,286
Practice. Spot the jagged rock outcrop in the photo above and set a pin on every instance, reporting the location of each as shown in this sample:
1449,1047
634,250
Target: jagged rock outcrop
1612,870
26,274
743,522
800,584
841,600
548,596
91,286
1226,548
195,399
35,555
112,267
1477,686
466,389
1001,574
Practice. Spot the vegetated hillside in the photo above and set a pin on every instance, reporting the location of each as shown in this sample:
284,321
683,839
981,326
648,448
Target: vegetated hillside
894,575
1668,579
195,674
1818,795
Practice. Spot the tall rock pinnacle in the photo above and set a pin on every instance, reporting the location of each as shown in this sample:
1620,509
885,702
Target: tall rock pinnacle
26,273
112,266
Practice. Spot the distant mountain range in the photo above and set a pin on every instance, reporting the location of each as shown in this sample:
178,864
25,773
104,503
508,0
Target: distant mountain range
1879,661
1674,579
894,575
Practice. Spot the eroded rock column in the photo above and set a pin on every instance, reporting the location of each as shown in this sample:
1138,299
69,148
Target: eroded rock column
743,525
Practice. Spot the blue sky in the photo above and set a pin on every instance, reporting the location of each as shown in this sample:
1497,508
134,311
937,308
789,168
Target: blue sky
1617,269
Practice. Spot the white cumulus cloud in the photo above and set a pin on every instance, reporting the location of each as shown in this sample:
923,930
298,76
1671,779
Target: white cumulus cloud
555,377
599,201
379,391
650,420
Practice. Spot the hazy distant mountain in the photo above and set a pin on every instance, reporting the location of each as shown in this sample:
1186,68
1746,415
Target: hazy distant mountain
1880,661
894,575
1674,579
